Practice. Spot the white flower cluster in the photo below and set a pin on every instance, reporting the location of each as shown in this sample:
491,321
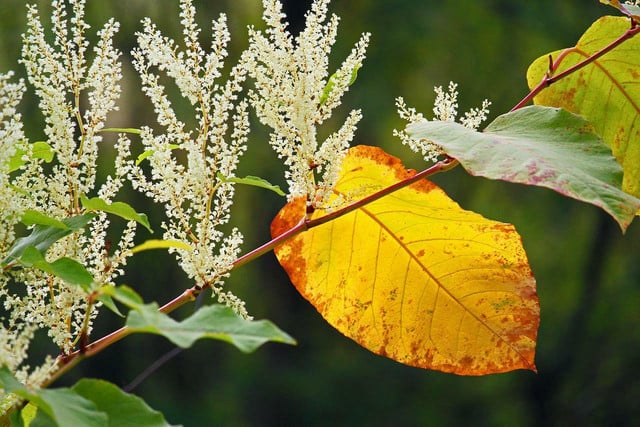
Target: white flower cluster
294,94
445,108
14,340
76,95
189,169
11,140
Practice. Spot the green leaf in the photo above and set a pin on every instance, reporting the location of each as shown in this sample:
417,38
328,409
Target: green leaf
28,413
69,270
253,180
67,408
143,156
41,419
123,409
332,81
16,161
159,244
605,92
43,236
215,322
110,304
120,209
542,146
106,293
31,217
123,294
42,150
39,150
31,256
62,405
630,10
149,153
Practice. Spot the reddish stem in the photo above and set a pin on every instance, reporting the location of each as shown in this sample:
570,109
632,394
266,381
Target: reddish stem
551,78
267,247
72,359
441,166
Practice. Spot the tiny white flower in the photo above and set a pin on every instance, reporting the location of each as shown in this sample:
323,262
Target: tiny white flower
445,109
64,72
197,201
294,94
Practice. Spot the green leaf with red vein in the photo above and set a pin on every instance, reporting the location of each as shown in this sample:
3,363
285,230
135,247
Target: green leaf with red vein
606,92
541,146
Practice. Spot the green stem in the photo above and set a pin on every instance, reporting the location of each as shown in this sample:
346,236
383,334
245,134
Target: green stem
83,334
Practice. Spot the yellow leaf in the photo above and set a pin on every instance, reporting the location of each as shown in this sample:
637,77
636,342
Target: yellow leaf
414,277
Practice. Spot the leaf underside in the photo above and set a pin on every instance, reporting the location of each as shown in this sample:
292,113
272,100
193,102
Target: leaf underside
541,146
90,402
212,322
414,277
606,92
625,8
216,322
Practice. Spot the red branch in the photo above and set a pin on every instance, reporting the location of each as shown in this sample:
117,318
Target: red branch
550,77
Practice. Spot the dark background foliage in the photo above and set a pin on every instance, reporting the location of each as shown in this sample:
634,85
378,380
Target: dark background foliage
587,272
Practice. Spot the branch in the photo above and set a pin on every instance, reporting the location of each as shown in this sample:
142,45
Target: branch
441,166
68,361
305,223
551,78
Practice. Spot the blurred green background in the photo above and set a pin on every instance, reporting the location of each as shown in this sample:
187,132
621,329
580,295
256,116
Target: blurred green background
588,273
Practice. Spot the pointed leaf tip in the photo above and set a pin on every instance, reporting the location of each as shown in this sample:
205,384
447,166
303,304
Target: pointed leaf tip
120,209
